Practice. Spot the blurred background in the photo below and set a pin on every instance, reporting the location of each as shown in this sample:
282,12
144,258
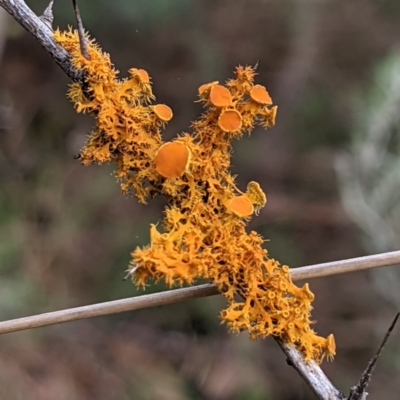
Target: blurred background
330,168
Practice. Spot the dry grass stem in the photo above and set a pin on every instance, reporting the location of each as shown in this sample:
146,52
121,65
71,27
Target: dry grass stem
359,392
173,296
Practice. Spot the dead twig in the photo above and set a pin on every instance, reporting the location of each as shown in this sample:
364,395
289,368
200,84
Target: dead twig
44,35
107,308
358,392
81,32
47,17
345,266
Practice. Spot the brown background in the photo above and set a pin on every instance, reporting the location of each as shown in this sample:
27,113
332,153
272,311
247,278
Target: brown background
66,231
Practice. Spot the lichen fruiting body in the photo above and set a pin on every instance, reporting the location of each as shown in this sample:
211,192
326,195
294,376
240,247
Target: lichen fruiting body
203,232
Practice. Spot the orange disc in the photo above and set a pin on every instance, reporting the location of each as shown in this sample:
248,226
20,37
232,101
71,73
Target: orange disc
241,206
230,121
220,96
206,86
260,95
172,159
163,112
141,73
144,76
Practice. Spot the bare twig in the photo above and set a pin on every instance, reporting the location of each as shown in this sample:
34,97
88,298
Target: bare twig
345,266
110,307
47,17
81,32
33,24
359,392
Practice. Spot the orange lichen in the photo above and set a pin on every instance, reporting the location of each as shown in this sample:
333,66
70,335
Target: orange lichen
172,159
201,235
163,112
207,86
259,94
143,74
220,96
257,197
240,206
230,121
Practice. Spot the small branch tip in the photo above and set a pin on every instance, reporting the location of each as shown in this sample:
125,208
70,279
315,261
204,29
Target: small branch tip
359,392
47,17
81,32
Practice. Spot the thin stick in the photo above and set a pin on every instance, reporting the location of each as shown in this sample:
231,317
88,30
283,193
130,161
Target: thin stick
173,296
359,392
110,307
81,32
345,266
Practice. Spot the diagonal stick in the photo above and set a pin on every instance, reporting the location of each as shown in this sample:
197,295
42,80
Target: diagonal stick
359,392
81,32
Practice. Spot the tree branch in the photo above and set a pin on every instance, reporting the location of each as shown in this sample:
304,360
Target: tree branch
311,373
43,34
